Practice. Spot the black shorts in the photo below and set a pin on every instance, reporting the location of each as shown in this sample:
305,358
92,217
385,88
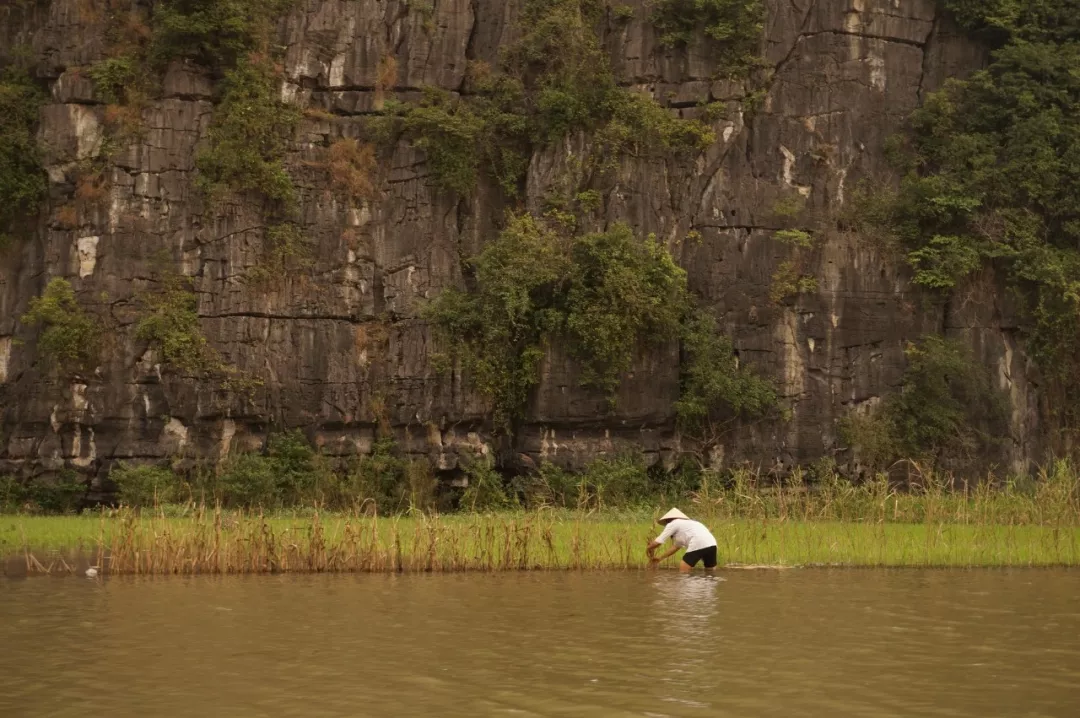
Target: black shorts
708,555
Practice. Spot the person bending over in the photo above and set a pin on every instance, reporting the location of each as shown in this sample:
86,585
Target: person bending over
684,533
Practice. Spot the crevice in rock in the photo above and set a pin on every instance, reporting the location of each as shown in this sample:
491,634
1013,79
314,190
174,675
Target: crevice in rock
924,70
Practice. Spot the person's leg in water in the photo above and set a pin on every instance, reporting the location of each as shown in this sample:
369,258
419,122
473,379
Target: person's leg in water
691,558
709,559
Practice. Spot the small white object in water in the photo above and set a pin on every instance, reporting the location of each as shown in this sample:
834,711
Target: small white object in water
91,572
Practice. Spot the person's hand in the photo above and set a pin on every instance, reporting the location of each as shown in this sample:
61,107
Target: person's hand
653,562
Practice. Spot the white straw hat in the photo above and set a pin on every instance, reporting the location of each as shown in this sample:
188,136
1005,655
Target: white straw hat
671,515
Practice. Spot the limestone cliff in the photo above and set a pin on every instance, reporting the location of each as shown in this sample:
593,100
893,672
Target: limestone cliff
339,345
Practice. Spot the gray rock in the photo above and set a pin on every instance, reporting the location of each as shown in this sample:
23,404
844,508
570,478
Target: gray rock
340,345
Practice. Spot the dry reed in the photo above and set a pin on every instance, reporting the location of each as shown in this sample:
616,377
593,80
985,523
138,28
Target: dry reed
215,542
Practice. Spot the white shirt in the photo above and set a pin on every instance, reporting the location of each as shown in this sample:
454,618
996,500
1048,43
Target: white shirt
688,534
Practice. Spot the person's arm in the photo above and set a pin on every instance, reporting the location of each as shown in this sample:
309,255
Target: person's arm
674,550
650,549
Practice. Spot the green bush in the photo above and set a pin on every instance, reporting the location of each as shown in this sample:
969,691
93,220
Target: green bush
145,485
288,473
999,21
22,178
554,80
734,25
605,294
378,479
112,77
713,378
499,328
248,480
638,124
620,293
70,337
301,474
993,180
248,138
448,131
618,481
216,33
170,321
550,485
13,495
487,489
948,411
59,494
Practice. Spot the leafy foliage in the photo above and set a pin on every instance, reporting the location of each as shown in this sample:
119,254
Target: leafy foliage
463,135
70,337
285,474
386,483
144,485
734,25
619,294
170,321
249,137
486,490
1030,20
789,281
712,376
58,494
948,410
554,80
605,294
114,76
994,172
500,329
216,33
22,179
448,130
287,251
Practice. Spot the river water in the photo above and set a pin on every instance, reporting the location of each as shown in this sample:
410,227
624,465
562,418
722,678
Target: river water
748,643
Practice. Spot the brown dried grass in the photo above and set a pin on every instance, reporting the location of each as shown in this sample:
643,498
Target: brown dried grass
352,166
67,217
91,187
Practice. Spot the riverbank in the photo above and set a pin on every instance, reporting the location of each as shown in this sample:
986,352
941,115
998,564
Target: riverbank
216,542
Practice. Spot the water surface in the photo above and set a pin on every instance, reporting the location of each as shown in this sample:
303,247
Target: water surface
755,643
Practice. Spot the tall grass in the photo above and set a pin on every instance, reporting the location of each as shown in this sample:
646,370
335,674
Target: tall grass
1051,498
217,542
795,522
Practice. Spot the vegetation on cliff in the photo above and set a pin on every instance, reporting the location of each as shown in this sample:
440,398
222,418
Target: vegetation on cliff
556,79
733,26
219,34
22,179
70,337
948,413
993,177
604,296
249,136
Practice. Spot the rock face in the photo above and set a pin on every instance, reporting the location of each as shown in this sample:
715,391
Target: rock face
340,347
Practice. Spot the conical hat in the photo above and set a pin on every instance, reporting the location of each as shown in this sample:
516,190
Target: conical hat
670,515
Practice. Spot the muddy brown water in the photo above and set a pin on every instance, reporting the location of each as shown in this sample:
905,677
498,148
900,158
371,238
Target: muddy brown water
757,643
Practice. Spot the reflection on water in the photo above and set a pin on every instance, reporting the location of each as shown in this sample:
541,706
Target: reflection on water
689,603
810,643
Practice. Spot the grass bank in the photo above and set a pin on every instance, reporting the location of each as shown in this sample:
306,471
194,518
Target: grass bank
215,542
1034,522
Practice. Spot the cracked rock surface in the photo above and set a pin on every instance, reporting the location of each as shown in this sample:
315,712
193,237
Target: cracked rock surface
339,344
